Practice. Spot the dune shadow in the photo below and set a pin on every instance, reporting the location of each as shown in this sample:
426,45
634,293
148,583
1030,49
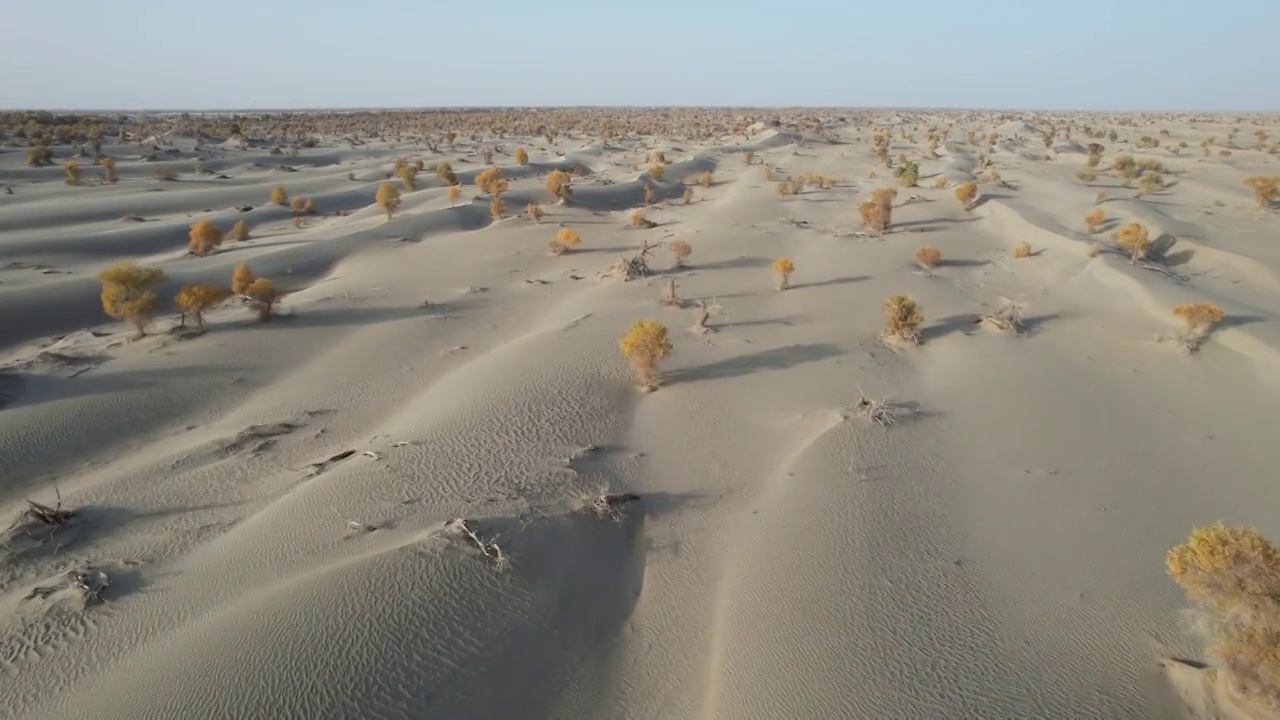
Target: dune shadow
775,359
833,281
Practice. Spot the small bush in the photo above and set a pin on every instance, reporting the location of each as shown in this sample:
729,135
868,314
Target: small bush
649,197
453,193
490,181
1021,250
240,231
940,182
1151,182
966,193
558,184
902,319
72,169
279,196
873,217
203,237
638,220
564,241
1199,317
1132,238
1265,190
388,198
928,258
645,345
1093,220
908,173
783,267
263,296
39,156
408,175
444,171
241,278
681,250
1233,574
194,300
297,204
127,292
497,208
522,156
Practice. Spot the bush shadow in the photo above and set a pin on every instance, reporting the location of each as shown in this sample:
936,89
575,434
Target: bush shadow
765,360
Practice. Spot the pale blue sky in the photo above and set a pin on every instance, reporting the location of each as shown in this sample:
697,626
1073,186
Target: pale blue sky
240,54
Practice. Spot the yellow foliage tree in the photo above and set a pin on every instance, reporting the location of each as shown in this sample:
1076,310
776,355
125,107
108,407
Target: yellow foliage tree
497,208
127,292
387,198
966,193
263,296
241,278
645,345
783,267
558,184
194,300
203,237
1133,239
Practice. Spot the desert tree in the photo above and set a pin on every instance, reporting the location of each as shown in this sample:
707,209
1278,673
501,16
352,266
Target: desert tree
1232,575
564,241
902,319
194,300
680,250
908,173
703,310
928,258
263,296
203,237
72,169
241,278
783,267
444,171
522,156
559,184
1198,319
645,345
240,231
128,292
967,193
408,175
490,181
1133,239
279,196
1093,220
1265,190
497,208
387,198
108,166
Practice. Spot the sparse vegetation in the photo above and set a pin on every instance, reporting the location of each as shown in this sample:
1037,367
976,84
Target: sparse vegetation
128,292
928,258
203,237
902,319
1132,238
408,175
1093,220
194,300
1199,319
645,345
783,267
655,171
1233,575
387,198
491,182
564,241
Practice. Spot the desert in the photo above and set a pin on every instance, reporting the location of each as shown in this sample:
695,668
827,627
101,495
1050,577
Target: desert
639,413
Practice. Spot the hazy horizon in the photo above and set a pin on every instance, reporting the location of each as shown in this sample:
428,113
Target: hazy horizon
1144,56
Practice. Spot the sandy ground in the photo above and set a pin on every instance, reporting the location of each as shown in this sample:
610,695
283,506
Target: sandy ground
996,553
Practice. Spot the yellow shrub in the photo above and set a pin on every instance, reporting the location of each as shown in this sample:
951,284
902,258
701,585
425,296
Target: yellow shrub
408,174
127,292
490,180
1093,220
966,193
453,193
568,238
645,345
655,171
203,237
1199,317
240,231
902,318
497,208
522,156
558,184
444,171
1265,190
928,257
279,196
388,198
241,278
873,216
783,267
194,300
1133,239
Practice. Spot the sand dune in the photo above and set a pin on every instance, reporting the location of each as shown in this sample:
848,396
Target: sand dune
272,501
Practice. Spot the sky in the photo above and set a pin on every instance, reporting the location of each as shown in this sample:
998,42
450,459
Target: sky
278,54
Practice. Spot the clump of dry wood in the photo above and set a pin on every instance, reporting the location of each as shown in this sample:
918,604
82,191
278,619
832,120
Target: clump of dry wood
633,267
